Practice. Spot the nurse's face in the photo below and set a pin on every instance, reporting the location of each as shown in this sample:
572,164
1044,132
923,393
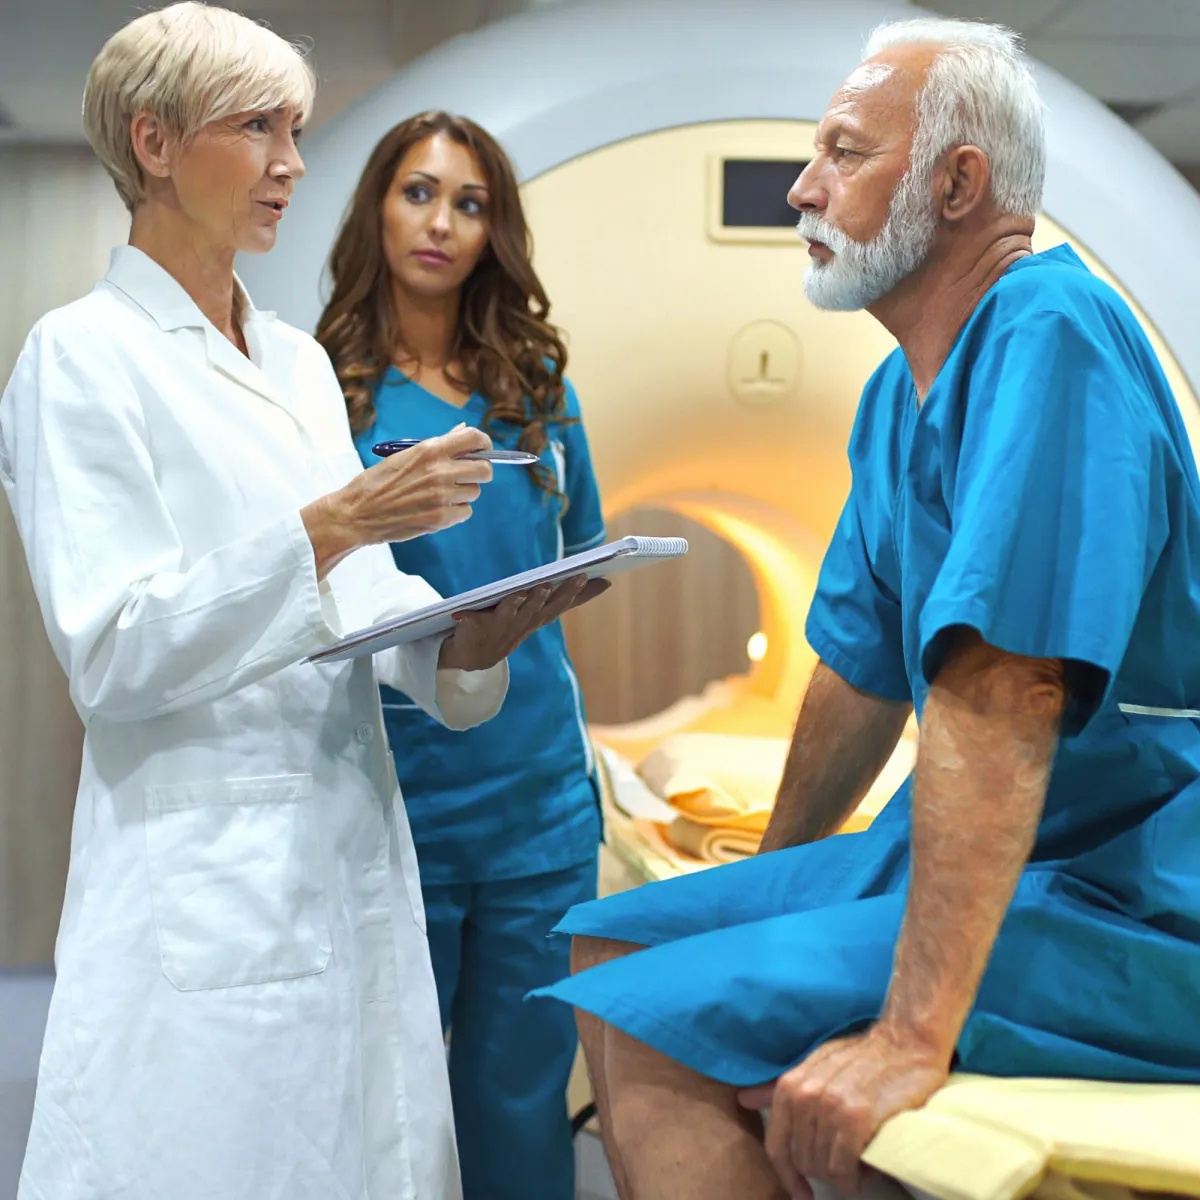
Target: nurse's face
869,221
233,180
435,218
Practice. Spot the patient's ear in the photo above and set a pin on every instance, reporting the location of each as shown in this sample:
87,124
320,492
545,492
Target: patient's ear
962,182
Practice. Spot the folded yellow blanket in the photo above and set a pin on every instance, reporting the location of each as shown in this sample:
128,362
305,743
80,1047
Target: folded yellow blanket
718,779
647,842
727,784
712,843
1004,1139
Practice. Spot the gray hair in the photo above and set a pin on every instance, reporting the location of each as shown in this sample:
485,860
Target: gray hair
188,64
981,92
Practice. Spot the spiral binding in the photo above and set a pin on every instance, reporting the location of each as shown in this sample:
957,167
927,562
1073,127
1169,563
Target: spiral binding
668,547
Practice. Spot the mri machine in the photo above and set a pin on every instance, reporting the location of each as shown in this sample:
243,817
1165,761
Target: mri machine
655,141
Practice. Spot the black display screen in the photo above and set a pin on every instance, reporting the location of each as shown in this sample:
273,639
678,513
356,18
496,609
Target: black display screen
754,193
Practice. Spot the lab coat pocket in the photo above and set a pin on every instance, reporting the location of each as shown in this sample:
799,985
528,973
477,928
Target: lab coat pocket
236,881
409,867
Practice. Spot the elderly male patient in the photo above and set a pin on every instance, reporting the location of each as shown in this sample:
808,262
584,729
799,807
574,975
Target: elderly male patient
1018,559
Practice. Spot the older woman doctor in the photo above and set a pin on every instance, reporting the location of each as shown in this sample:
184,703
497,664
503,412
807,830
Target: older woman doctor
244,1005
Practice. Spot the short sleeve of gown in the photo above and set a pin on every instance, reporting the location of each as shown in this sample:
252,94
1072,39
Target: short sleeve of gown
854,621
1059,507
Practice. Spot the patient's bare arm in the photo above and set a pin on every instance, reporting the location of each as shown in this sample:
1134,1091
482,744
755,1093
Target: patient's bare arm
842,740
988,739
988,736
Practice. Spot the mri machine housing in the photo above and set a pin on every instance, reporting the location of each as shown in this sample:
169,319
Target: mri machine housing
710,385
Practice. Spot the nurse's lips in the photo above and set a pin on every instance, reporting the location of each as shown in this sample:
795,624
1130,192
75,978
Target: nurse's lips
434,257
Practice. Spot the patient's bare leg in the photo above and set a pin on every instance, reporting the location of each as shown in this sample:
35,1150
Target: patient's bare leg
669,1132
679,1133
590,952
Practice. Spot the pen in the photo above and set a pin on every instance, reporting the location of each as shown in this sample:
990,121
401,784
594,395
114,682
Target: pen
514,458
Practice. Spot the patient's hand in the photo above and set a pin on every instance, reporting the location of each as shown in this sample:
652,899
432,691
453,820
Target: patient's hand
825,1112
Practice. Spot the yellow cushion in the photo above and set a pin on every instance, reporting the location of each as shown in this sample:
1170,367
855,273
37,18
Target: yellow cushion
1003,1139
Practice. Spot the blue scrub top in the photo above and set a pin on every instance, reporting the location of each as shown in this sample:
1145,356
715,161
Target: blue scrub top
1045,495
515,796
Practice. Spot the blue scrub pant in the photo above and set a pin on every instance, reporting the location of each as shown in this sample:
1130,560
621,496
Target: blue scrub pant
509,1060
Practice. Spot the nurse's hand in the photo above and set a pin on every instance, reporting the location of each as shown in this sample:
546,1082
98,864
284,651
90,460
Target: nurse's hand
482,639
826,1111
418,491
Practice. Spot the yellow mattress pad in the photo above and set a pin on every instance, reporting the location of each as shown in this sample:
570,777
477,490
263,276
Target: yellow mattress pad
1003,1139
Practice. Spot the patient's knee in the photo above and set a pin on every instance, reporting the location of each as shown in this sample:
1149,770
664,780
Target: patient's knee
589,952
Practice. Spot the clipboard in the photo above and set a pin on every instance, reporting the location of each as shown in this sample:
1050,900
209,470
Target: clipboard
603,562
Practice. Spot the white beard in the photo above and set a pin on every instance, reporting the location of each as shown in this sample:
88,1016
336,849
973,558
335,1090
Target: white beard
860,273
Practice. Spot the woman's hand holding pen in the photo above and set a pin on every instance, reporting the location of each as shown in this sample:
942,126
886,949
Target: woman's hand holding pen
423,490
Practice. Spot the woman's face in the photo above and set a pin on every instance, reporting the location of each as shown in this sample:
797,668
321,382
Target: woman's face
435,218
233,180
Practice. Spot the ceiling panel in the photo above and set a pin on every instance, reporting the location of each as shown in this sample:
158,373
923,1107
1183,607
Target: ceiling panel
46,48
1124,70
1125,19
340,43
1124,51
274,10
336,93
1176,132
1026,16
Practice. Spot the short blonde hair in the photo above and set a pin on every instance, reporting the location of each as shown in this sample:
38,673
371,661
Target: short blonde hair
188,64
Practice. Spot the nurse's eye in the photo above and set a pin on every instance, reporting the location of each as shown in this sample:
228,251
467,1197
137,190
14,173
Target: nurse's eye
297,133
418,193
258,124
472,207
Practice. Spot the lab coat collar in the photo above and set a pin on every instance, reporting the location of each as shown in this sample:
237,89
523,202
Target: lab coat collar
163,298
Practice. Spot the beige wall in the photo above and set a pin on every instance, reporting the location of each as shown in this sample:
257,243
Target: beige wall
58,218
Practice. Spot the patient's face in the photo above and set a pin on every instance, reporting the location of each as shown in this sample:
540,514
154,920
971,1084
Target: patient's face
869,221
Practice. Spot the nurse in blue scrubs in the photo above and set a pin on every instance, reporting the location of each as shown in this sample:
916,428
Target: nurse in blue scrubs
437,319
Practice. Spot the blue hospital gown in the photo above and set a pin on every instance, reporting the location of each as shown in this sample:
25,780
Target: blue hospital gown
1044,494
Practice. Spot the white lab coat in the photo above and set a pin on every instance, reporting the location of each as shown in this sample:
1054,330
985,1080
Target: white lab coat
244,1006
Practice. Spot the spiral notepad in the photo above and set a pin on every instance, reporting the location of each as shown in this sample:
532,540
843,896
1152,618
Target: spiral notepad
614,558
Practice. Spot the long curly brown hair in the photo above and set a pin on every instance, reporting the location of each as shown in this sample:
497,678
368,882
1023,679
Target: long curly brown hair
508,351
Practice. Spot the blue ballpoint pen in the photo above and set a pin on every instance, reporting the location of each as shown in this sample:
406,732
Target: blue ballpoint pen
513,458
